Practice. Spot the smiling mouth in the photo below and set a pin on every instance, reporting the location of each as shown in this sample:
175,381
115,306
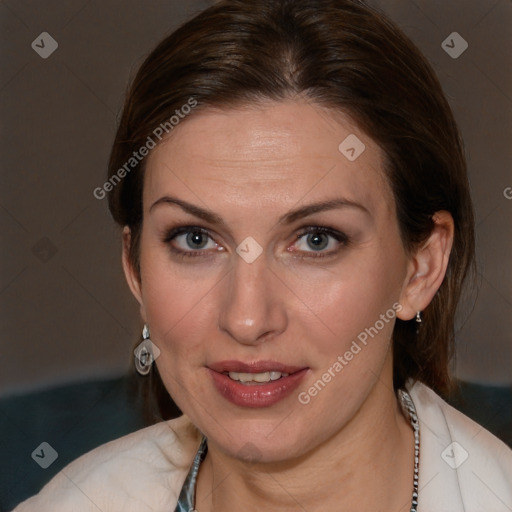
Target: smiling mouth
255,378
256,383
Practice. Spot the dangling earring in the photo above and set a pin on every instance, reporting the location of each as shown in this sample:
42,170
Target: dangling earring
144,353
418,321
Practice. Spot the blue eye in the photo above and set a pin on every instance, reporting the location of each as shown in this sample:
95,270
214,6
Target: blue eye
321,240
317,241
195,239
189,239
312,241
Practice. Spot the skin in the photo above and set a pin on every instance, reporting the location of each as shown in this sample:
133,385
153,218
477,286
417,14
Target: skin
251,166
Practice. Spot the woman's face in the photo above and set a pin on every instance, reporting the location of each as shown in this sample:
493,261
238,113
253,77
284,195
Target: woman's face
268,248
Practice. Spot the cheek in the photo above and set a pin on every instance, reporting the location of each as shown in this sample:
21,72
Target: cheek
346,300
177,301
180,315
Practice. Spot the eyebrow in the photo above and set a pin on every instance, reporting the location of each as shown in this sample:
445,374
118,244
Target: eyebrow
287,218
197,211
321,206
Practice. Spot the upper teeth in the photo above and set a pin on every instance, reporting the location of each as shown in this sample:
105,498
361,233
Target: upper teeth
257,377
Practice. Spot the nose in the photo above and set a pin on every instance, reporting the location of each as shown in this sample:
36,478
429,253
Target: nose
252,310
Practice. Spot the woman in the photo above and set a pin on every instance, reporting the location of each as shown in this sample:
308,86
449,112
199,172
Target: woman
297,228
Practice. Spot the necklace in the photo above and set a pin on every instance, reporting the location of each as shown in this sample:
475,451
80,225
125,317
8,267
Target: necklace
408,406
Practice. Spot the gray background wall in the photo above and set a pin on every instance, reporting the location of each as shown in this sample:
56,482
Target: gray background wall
65,311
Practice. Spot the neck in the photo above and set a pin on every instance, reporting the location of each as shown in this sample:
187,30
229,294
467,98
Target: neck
367,465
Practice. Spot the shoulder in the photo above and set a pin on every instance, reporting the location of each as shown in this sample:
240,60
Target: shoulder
143,471
462,465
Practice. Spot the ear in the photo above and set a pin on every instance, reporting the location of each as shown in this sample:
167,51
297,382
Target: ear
130,273
427,267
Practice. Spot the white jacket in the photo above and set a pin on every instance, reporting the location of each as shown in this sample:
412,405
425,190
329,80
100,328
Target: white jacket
144,471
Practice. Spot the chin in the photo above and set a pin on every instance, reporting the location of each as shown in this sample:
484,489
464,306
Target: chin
254,441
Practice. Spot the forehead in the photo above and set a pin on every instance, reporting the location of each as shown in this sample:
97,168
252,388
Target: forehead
277,151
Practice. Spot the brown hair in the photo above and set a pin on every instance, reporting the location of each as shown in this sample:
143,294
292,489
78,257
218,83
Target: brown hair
343,55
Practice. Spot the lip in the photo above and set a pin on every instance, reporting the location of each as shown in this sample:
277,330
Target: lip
253,367
255,395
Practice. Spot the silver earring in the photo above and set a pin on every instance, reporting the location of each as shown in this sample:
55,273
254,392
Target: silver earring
418,322
144,353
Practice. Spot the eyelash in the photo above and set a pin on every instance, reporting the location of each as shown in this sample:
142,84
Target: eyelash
340,237
173,233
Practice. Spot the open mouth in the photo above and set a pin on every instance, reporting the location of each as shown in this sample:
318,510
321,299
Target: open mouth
258,384
256,378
